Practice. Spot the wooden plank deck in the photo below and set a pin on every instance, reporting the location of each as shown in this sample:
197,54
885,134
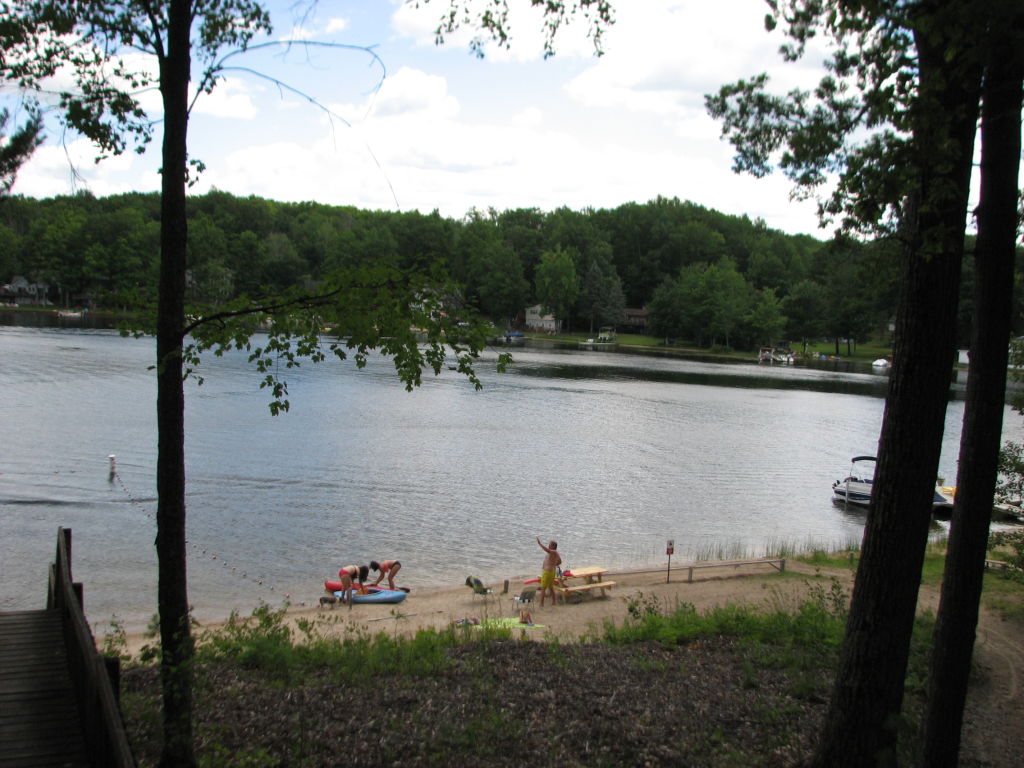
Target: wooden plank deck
39,720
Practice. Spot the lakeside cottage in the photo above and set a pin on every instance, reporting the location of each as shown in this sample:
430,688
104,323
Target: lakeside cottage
635,320
536,321
21,292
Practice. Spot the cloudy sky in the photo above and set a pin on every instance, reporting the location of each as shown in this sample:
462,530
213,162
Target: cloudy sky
417,126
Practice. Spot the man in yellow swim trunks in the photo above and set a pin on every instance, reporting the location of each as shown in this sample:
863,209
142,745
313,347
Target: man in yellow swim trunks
547,574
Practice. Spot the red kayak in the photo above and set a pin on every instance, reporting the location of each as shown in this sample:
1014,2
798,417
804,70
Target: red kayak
335,586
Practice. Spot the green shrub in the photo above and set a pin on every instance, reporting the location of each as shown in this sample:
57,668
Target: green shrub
265,642
1008,546
818,622
262,641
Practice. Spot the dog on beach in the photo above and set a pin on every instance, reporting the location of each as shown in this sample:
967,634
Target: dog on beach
328,600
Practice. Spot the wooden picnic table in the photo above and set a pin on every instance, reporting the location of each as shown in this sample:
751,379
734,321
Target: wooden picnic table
589,574
592,578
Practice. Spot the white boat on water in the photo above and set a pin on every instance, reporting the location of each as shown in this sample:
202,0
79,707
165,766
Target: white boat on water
776,355
856,487
605,340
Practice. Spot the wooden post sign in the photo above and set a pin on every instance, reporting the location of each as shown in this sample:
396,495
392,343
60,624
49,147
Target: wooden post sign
669,550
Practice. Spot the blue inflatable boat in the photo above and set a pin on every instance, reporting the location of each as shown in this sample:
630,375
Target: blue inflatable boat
376,595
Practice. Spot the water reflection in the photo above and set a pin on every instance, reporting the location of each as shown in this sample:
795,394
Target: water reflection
867,385
610,454
51,318
838,376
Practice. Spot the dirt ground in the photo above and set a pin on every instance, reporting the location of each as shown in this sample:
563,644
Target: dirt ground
992,736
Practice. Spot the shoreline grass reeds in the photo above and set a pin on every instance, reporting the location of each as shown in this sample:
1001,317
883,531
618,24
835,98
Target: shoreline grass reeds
728,549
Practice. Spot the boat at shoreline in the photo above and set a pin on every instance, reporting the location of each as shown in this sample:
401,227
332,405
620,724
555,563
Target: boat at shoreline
371,595
377,595
605,339
776,355
856,487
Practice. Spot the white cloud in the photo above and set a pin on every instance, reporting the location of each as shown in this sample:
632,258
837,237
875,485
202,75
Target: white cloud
414,149
412,90
531,117
59,169
663,56
336,25
232,98
446,131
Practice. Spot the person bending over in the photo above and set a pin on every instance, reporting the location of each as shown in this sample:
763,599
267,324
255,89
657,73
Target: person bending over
387,568
349,574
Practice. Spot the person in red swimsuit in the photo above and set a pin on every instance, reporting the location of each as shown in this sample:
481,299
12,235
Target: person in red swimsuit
348,575
386,567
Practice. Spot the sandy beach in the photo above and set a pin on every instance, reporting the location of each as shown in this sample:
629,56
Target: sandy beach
755,582
996,696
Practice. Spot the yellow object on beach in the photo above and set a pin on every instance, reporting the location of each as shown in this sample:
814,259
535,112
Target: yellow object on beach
507,623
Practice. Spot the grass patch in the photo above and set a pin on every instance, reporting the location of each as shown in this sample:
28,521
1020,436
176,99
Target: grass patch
636,340
1002,591
866,350
1004,598
721,550
1003,594
265,642
817,622
1008,547
934,564
726,549
820,558
849,557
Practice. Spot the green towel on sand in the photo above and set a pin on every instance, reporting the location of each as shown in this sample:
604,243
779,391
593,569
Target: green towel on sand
509,623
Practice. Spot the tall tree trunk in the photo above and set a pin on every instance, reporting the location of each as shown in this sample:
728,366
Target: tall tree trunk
861,724
986,394
175,634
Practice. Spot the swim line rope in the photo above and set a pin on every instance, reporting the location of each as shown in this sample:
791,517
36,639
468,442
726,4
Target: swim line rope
195,551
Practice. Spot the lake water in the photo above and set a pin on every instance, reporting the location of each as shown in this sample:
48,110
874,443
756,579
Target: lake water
610,454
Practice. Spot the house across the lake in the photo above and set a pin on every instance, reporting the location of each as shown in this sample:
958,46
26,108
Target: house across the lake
20,291
539,322
635,320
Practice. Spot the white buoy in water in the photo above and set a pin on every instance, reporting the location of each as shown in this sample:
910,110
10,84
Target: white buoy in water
113,467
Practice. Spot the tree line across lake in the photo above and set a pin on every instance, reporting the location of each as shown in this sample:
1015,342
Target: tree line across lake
716,279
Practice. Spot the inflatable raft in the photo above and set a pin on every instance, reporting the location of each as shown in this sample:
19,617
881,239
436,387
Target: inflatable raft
373,594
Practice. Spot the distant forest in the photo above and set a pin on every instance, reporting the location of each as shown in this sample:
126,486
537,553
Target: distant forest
703,276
